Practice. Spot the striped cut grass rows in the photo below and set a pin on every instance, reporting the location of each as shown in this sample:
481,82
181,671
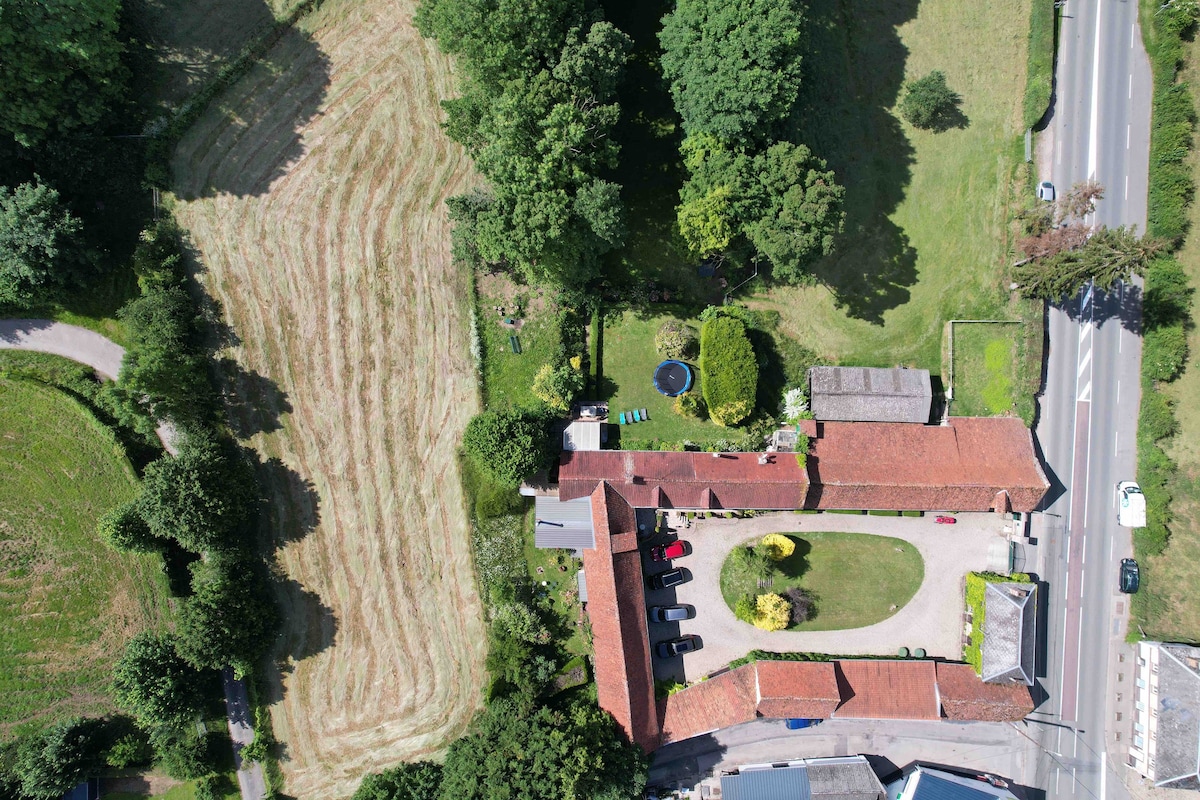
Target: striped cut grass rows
327,250
68,602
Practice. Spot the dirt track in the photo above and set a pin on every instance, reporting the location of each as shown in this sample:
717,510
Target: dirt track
313,195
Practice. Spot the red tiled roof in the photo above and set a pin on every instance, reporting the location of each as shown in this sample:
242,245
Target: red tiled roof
617,611
966,697
686,480
797,689
718,702
968,465
888,690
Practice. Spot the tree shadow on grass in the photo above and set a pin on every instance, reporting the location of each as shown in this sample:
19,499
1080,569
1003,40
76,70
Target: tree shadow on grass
250,134
796,565
854,72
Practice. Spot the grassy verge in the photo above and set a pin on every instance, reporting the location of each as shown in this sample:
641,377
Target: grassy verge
69,602
925,231
1168,549
985,367
1040,66
856,579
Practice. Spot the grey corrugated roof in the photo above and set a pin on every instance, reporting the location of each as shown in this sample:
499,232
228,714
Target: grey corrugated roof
1177,748
581,582
563,523
844,779
867,394
1009,632
780,783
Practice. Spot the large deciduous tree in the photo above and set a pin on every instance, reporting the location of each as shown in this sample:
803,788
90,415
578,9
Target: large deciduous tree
783,200
155,684
231,619
510,445
203,498
61,67
40,252
733,65
50,763
536,114
520,750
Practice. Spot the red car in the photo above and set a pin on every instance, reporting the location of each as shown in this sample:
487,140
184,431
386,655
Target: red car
666,552
944,520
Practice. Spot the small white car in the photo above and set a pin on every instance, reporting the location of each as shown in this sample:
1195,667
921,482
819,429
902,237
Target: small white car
1131,505
1045,191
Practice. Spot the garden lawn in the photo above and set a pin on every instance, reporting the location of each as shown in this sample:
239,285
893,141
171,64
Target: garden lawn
984,369
507,376
856,578
924,240
68,602
561,592
628,383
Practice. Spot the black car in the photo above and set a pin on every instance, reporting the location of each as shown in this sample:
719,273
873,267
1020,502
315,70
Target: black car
665,580
676,647
669,613
1129,576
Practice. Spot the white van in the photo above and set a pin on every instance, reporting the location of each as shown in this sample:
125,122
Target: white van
1131,505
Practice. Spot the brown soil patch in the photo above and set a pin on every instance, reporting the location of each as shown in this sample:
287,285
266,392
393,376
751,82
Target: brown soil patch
324,240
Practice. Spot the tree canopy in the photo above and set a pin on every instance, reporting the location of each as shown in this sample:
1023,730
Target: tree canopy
52,762
1109,255
62,65
419,780
510,445
125,529
783,200
734,67
928,101
153,683
518,750
203,498
231,618
39,251
536,114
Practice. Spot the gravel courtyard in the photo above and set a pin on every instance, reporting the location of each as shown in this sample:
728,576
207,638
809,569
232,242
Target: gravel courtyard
933,619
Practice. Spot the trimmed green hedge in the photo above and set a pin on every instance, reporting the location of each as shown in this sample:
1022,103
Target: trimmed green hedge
728,370
1041,61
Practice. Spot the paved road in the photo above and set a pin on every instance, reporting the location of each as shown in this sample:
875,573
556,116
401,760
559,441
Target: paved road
78,344
1087,422
60,339
237,709
999,748
932,619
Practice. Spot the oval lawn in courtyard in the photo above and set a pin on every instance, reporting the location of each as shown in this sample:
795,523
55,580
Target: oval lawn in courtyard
855,579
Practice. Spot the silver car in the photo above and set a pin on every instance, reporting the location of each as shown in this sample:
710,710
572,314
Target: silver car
669,613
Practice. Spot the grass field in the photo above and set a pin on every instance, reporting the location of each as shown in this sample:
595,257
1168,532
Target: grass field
985,363
317,186
925,216
855,578
68,602
508,376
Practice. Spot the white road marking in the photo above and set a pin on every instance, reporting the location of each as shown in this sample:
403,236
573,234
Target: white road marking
1087,359
1084,396
1094,127
1132,32
1066,592
1057,773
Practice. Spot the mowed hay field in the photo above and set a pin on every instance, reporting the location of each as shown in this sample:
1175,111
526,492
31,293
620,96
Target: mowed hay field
68,602
313,193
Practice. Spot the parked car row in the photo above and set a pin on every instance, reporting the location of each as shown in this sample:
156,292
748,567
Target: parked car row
666,553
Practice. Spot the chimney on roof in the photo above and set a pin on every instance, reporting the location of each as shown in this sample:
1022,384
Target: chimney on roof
716,454
764,459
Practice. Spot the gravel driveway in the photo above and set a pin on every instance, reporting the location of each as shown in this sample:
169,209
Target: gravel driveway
933,619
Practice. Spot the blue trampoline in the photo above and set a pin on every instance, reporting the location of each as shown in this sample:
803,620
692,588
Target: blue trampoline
672,378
